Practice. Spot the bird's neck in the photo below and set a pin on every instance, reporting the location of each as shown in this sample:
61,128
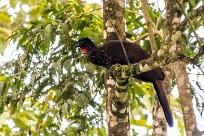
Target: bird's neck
88,50
85,50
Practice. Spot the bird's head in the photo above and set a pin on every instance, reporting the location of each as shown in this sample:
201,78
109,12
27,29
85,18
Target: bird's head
85,44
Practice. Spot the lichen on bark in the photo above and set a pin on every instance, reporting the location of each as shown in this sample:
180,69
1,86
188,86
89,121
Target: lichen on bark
185,96
117,103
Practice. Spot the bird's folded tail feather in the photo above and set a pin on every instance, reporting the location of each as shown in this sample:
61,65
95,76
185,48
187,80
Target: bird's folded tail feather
163,101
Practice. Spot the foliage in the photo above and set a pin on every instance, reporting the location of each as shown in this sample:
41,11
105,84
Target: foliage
49,88
5,26
45,80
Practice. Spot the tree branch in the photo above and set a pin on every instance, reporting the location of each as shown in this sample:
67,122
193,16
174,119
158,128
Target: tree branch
146,35
198,12
125,71
150,28
199,54
189,22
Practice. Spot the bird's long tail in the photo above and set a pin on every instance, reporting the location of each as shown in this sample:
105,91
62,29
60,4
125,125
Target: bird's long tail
163,101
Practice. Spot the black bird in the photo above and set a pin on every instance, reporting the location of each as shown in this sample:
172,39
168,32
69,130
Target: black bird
112,53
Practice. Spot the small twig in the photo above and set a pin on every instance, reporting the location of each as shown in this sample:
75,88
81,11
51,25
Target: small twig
158,21
146,35
89,12
125,53
200,53
150,28
197,13
141,37
158,4
198,74
177,111
189,22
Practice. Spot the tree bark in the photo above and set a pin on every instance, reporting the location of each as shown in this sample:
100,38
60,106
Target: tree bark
185,96
172,31
117,103
115,10
159,122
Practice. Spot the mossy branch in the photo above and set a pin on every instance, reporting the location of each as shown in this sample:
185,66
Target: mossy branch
125,71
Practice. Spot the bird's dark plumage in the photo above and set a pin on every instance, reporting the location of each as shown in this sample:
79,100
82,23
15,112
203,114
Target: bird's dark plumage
111,53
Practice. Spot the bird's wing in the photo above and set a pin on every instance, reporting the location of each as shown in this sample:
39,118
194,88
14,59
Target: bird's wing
99,57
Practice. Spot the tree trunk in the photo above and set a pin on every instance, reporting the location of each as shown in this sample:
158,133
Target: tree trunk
117,103
185,96
172,30
113,14
159,122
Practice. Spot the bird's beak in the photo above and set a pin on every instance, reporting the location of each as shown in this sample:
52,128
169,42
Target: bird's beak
76,46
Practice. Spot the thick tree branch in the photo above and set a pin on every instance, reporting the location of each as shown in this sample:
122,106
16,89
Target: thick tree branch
125,71
150,28
185,97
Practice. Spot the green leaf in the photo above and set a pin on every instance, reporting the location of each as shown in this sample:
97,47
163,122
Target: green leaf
13,107
2,78
13,3
5,19
192,2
